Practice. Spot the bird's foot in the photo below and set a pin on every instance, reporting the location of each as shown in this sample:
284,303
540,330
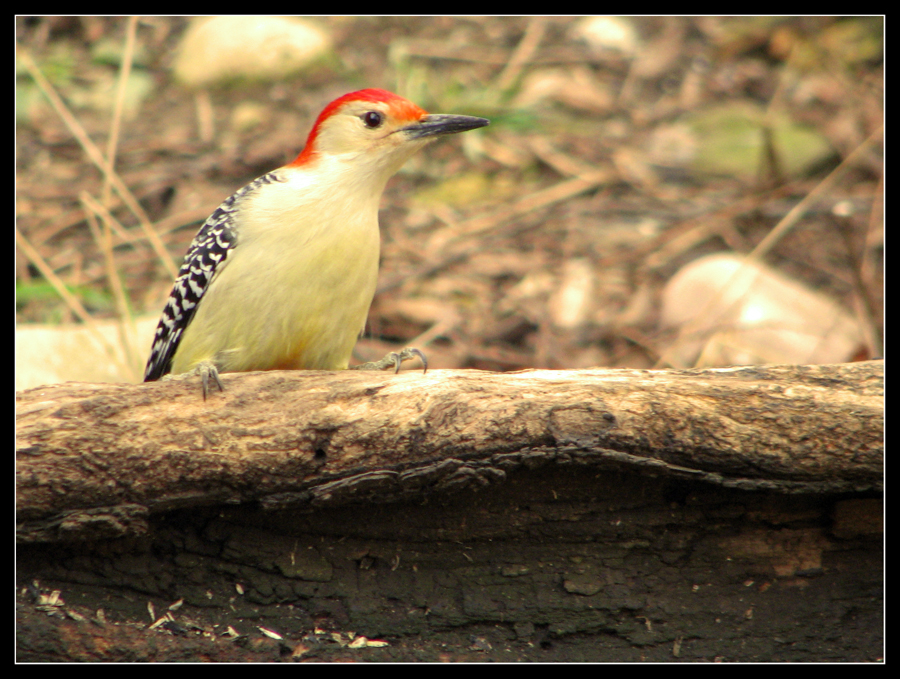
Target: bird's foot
393,360
206,370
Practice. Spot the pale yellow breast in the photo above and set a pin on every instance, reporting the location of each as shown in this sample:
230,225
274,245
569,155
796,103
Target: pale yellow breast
296,291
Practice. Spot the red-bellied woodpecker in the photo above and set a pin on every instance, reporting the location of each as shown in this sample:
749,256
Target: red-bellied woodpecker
282,274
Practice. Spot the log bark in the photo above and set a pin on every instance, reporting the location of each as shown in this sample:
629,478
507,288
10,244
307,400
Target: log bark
590,514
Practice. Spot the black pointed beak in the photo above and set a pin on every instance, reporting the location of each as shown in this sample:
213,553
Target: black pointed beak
439,124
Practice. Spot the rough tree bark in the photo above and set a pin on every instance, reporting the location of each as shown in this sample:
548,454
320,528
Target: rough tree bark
541,515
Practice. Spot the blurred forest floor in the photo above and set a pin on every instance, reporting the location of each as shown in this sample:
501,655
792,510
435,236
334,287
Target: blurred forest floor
541,241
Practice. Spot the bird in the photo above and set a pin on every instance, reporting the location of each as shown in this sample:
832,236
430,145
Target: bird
282,274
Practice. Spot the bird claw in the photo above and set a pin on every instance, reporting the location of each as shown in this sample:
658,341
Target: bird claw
205,370
394,359
208,370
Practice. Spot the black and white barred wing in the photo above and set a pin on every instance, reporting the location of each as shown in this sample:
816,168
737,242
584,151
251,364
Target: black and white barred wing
207,255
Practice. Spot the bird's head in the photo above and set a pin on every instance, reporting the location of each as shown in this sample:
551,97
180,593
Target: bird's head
376,127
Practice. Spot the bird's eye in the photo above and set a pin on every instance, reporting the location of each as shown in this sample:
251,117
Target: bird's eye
373,119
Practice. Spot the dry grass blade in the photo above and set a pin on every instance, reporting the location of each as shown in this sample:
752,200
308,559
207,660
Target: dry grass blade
791,218
127,331
97,158
455,243
35,257
525,49
539,199
115,125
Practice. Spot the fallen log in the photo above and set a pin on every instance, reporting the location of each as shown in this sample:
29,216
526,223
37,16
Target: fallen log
544,503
